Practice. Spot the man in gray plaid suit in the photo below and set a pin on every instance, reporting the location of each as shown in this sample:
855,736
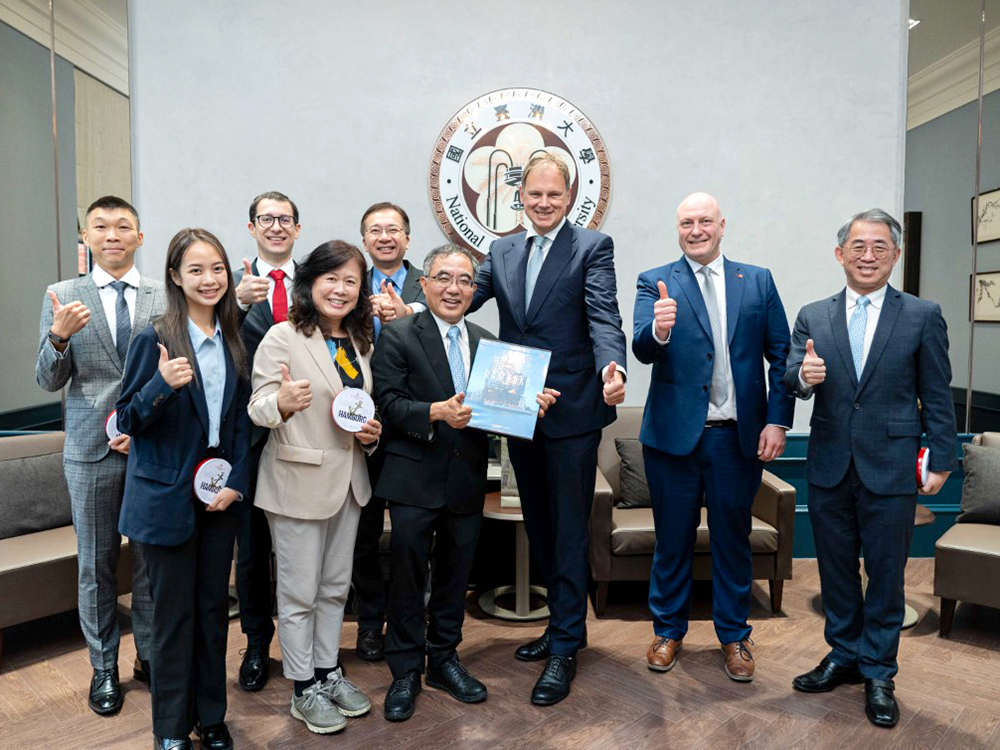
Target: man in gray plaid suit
87,324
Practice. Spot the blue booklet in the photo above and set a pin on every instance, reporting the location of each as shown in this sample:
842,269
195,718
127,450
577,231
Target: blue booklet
503,383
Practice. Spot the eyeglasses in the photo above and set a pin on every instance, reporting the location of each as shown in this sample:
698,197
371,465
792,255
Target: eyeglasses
267,220
879,249
445,280
393,231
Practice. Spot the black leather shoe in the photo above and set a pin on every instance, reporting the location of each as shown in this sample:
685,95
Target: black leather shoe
826,677
215,737
538,649
880,705
254,669
105,692
402,697
371,645
165,743
553,685
452,677
140,670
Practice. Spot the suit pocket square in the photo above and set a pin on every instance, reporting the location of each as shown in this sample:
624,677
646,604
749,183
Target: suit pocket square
904,429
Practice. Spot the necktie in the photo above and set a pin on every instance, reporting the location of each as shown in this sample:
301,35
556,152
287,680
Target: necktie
719,393
856,332
123,324
455,360
279,300
535,261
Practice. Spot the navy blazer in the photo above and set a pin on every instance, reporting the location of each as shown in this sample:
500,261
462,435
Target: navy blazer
876,420
169,431
757,329
573,314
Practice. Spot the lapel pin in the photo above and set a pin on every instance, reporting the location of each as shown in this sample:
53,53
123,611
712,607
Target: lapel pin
739,276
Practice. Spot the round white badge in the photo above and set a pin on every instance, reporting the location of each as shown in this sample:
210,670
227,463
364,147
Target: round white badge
352,408
923,464
111,425
210,477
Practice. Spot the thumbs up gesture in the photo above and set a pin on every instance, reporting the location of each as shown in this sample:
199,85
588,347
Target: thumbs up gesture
252,289
813,367
293,395
69,318
453,411
389,305
176,372
614,385
664,312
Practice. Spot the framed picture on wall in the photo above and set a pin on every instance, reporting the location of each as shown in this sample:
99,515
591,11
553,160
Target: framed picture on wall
989,216
984,302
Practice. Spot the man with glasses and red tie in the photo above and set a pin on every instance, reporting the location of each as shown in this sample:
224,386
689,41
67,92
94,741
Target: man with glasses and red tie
876,360
264,289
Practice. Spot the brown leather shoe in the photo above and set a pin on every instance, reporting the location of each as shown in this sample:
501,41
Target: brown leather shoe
739,660
662,654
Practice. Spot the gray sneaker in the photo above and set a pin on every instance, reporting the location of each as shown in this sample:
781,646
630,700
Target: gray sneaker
345,694
316,709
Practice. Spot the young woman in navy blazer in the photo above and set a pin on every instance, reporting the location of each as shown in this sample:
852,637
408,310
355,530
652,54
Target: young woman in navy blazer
184,398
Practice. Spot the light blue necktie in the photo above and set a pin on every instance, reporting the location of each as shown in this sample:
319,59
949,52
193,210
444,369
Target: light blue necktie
856,332
455,360
123,324
535,261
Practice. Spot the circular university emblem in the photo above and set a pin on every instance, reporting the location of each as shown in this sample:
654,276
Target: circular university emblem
480,155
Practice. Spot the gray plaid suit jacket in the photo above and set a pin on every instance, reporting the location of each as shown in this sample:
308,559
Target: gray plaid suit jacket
90,363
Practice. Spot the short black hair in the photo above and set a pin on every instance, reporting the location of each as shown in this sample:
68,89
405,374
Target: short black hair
273,195
386,206
112,203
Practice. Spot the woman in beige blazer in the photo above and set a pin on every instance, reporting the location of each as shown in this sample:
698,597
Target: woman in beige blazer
313,479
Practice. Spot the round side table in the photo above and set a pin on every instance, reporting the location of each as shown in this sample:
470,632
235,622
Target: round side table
521,588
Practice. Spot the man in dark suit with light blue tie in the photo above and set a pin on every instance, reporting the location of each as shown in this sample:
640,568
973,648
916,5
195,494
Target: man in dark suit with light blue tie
876,360
555,289
707,324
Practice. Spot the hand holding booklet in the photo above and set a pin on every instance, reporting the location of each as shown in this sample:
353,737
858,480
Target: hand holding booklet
504,381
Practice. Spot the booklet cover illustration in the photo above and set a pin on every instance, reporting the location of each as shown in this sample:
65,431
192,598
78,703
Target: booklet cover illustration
504,381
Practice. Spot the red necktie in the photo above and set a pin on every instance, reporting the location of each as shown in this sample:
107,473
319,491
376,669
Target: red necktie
279,300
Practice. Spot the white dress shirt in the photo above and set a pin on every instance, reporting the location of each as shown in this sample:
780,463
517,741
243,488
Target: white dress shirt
550,237
109,296
263,269
875,301
463,340
718,279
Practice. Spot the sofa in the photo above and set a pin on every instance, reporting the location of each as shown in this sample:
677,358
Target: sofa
38,573
967,556
622,538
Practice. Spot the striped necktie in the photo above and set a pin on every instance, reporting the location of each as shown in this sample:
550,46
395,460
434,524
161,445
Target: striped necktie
123,324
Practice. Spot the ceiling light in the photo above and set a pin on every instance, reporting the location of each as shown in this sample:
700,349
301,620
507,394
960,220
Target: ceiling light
914,22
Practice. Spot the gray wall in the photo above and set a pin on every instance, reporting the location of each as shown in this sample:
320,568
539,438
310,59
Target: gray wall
27,205
791,113
940,182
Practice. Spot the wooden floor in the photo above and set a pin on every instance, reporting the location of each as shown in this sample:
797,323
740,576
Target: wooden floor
948,690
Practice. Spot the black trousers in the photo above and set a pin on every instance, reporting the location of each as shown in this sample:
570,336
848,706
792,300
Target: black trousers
253,565
190,587
413,533
847,520
366,577
555,479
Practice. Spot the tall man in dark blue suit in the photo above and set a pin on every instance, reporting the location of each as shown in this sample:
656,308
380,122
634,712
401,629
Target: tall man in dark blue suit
706,324
555,289
869,353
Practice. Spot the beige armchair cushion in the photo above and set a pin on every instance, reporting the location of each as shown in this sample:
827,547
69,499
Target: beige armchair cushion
632,533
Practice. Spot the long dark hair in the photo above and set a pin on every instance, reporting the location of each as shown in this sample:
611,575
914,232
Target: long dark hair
329,257
172,326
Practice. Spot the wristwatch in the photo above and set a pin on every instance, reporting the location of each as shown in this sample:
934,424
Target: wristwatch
57,339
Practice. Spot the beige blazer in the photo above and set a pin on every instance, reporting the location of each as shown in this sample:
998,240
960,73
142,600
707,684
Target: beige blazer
309,463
